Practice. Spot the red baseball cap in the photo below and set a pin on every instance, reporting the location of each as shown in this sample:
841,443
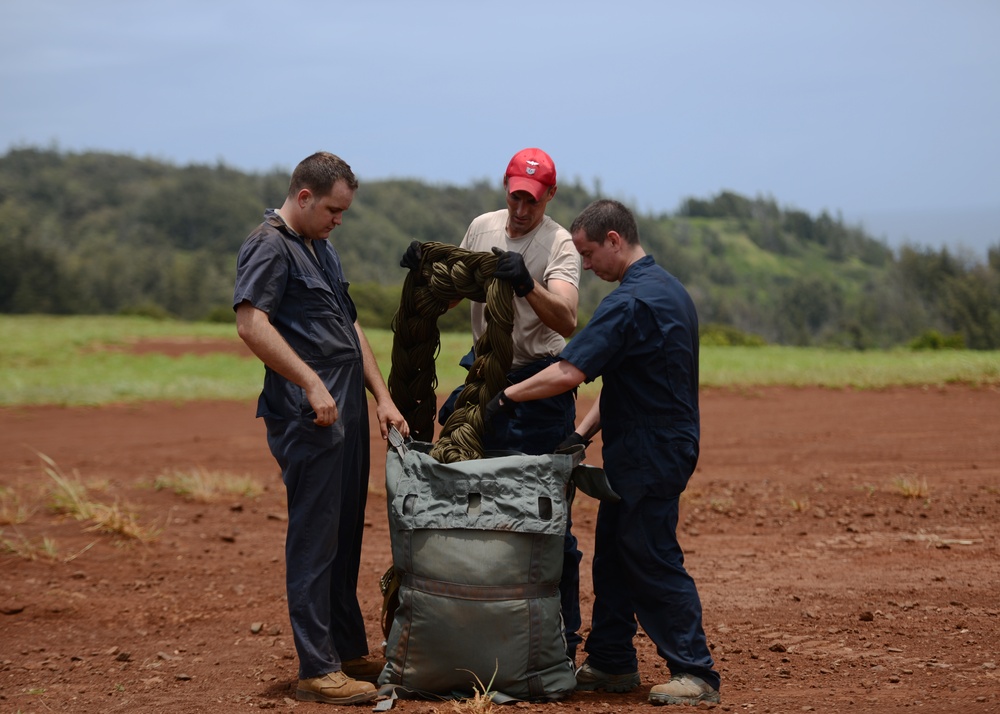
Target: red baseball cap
531,170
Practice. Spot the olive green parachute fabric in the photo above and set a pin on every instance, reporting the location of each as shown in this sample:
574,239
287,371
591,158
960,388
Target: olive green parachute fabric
477,546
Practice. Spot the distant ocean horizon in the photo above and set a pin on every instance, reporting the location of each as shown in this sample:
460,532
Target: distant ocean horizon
974,229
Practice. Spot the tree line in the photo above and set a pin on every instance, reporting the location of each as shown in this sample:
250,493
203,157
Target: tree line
102,233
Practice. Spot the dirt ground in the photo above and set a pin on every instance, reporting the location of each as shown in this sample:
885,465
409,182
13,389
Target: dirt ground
844,544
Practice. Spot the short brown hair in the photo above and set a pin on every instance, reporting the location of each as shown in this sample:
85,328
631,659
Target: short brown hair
319,173
606,215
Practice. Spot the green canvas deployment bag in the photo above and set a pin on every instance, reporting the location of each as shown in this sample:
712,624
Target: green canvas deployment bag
477,546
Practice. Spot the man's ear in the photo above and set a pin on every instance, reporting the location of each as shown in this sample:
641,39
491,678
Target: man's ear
303,197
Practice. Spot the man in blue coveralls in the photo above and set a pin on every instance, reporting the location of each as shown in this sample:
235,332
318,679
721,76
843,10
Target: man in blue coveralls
294,312
643,341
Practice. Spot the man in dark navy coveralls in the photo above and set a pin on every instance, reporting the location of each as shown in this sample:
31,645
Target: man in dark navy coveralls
643,342
294,312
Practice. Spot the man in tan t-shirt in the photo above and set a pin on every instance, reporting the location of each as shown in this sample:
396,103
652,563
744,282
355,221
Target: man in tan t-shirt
537,256
546,302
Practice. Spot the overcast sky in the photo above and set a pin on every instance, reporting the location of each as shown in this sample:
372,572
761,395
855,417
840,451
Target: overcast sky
885,112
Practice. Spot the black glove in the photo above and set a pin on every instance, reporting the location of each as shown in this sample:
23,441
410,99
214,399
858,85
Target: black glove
572,440
411,258
511,267
501,403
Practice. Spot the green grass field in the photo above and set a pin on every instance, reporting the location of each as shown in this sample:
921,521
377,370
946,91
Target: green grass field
85,361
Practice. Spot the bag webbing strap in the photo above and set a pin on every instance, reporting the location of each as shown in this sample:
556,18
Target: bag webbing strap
524,591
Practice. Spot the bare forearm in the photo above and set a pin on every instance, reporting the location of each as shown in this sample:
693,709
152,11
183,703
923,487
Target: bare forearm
259,334
256,331
591,422
385,409
555,305
555,379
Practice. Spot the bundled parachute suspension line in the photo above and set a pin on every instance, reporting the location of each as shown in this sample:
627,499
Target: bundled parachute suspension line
447,274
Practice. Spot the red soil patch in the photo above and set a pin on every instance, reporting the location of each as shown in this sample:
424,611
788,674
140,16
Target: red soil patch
825,587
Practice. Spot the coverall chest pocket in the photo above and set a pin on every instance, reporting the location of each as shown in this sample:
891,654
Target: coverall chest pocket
326,326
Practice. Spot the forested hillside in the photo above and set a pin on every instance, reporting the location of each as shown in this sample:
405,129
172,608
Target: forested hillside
97,233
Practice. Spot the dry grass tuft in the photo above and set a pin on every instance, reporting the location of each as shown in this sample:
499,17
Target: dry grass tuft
204,486
26,550
911,487
722,505
799,505
72,497
113,520
12,511
481,701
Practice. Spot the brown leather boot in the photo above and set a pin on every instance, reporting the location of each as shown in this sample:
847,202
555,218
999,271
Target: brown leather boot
335,688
